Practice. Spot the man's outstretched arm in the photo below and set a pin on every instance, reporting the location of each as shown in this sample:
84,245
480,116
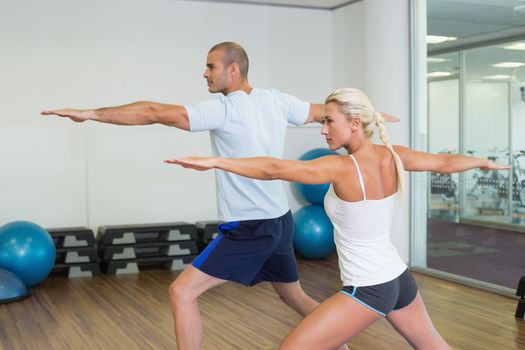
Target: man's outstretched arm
316,114
137,113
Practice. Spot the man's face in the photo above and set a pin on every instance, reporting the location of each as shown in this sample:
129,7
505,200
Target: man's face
217,76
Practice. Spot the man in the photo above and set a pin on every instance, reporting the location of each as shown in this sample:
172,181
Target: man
256,244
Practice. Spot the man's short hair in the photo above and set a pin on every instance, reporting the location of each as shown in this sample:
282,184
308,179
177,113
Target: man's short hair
234,53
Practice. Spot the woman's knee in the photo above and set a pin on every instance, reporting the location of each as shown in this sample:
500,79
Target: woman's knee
290,343
435,342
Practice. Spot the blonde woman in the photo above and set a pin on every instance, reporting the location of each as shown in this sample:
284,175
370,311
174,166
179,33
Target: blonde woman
360,202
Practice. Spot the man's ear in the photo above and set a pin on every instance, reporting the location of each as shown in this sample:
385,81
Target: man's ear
234,68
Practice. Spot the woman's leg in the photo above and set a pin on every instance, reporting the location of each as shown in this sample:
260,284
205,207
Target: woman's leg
331,324
414,324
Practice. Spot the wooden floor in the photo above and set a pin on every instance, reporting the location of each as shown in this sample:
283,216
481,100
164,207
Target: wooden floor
132,312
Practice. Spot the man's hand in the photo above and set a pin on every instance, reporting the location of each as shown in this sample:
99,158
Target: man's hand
77,115
196,163
389,118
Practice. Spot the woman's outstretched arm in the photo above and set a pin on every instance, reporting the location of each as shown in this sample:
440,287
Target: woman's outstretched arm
317,171
443,163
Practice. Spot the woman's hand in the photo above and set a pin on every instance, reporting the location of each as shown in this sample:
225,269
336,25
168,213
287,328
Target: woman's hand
493,166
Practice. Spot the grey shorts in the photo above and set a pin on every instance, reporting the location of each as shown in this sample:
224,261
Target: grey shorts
385,297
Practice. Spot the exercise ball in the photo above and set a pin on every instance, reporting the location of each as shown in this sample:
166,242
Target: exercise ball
27,250
314,233
313,194
11,287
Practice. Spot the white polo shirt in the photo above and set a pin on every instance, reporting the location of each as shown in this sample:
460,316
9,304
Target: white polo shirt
248,125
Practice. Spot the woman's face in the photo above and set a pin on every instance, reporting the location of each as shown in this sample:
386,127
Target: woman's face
337,127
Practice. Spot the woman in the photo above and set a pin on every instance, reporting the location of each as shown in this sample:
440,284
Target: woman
360,201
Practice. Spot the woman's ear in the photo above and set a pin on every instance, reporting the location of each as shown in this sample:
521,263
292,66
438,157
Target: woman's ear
355,123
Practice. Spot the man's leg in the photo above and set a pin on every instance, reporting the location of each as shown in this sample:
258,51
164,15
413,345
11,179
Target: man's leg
293,295
184,292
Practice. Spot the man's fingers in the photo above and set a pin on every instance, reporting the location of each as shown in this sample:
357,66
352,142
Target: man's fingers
176,161
54,112
390,118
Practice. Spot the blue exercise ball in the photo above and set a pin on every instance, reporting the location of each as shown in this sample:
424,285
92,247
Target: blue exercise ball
314,233
11,287
313,194
27,250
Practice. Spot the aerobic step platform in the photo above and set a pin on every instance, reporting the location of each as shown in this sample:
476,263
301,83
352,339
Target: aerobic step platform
145,250
206,232
132,234
76,255
72,237
120,267
77,270
76,252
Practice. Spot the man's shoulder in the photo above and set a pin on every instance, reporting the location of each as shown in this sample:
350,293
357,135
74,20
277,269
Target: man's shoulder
271,93
256,94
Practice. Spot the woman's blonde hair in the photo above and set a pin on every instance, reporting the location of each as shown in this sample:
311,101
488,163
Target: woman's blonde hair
355,104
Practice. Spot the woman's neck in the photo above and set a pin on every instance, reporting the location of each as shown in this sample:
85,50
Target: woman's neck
359,145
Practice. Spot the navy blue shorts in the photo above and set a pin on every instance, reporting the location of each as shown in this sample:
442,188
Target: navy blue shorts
252,251
386,297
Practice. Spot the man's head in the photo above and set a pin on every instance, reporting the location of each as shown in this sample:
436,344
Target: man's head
226,67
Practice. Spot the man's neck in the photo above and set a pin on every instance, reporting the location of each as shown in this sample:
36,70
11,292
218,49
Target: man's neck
242,86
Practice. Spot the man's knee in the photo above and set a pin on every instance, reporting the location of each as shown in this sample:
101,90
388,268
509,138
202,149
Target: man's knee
292,294
180,293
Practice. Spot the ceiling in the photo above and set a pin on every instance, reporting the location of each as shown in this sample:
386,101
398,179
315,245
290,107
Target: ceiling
470,21
475,23
312,4
479,64
481,26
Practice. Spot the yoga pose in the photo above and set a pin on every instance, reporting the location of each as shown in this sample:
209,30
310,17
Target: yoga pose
360,201
244,122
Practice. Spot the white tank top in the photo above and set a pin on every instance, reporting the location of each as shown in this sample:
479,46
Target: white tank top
362,237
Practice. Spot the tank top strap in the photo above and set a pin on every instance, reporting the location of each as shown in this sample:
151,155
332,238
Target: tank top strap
360,177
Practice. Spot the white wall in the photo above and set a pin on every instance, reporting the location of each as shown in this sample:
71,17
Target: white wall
387,76
61,53
371,52
348,43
